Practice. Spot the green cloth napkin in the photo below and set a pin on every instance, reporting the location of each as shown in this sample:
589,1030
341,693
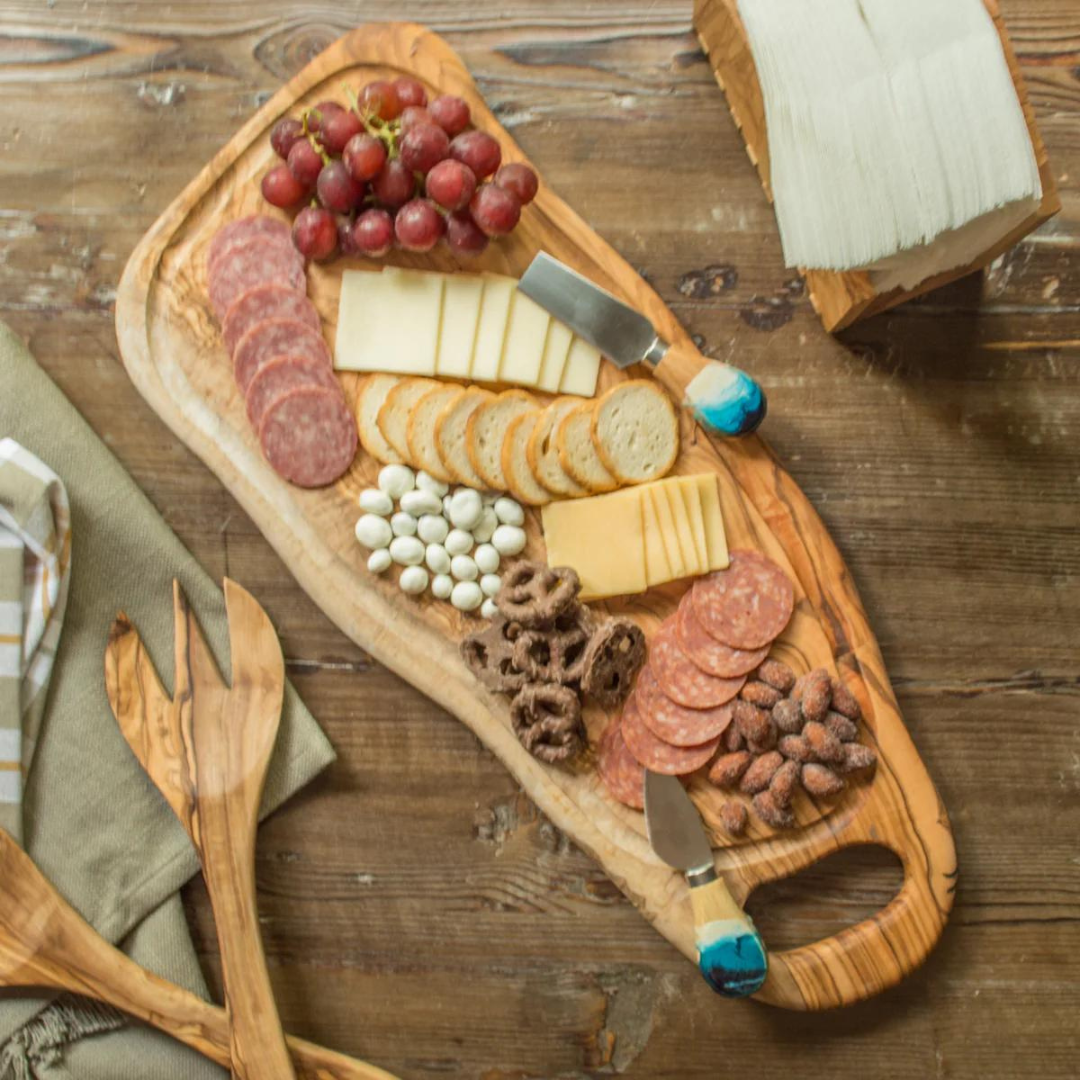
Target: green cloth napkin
92,820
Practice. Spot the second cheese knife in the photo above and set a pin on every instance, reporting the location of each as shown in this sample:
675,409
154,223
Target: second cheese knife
723,399
731,954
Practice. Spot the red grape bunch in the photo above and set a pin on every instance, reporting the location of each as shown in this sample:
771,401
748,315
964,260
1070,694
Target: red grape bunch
393,168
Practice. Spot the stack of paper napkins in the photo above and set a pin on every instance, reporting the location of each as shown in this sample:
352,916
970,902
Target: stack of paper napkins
897,142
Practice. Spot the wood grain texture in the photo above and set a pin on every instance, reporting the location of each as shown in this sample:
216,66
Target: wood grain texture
936,441
842,298
207,750
167,337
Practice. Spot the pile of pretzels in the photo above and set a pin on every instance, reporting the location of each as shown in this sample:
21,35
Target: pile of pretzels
546,650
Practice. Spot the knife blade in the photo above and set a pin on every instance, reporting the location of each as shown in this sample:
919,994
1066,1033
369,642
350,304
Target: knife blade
731,955
722,398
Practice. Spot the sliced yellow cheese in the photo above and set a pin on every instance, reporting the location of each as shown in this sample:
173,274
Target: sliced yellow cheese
491,329
692,499
657,567
523,345
556,349
602,538
683,533
668,535
715,537
461,315
581,370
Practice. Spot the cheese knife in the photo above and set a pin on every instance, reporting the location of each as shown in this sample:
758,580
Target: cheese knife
731,954
722,398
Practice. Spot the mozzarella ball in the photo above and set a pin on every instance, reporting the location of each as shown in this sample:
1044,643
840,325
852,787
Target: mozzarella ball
432,528
375,501
373,531
427,482
466,596
442,585
446,501
458,542
489,609
487,559
421,502
463,567
395,480
490,584
379,561
484,530
509,512
403,524
413,580
466,508
509,540
437,559
406,551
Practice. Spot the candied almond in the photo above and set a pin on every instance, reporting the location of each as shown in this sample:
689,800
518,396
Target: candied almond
796,748
777,674
767,808
816,695
820,781
788,716
826,746
858,757
784,782
760,694
765,742
732,739
844,701
734,817
757,777
750,720
727,769
844,729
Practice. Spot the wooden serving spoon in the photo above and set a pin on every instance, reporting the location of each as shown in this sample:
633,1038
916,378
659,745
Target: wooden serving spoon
207,750
45,943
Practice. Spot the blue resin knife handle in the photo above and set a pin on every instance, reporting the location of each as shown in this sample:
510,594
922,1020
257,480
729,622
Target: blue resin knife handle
731,954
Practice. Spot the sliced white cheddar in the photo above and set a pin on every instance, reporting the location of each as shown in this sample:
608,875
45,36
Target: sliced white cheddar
668,535
691,496
523,347
461,314
556,349
602,539
581,370
657,567
683,533
373,335
491,329
715,537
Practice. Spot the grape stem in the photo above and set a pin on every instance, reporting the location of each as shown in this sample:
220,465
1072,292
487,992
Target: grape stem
386,131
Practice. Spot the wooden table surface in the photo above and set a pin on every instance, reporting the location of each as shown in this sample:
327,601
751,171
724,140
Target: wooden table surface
417,910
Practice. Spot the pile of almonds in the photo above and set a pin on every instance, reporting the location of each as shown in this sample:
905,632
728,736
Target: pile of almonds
788,732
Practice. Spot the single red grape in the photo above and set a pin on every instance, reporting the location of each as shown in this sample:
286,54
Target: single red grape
346,244
281,188
451,184
380,99
338,128
464,235
318,113
336,188
519,180
412,115
364,156
286,132
373,233
495,210
478,150
450,113
422,147
394,185
409,92
314,233
418,226
305,162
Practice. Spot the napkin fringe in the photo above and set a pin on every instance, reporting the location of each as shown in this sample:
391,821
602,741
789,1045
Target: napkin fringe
40,1043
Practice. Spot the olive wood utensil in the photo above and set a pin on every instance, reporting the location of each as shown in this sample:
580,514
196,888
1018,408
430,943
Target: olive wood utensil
207,750
45,943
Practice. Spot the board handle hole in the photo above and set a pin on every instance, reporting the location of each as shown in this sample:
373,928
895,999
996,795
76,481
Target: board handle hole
841,890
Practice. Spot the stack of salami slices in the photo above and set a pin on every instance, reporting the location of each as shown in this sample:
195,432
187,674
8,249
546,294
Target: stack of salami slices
258,291
699,660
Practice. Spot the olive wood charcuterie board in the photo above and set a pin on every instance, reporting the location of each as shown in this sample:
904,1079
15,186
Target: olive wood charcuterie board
172,350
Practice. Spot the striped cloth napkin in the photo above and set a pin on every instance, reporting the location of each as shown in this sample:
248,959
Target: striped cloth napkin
35,564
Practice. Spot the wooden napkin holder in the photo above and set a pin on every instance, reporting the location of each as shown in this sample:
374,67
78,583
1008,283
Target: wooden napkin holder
843,297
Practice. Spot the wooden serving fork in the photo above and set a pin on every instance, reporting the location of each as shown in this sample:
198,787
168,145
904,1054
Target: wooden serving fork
207,750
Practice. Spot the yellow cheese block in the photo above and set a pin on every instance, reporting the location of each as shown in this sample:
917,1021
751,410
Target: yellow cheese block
715,537
657,567
691,494
662,508
683,533
602,538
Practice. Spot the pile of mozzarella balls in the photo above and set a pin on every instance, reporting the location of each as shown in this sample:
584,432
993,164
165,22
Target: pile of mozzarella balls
452,541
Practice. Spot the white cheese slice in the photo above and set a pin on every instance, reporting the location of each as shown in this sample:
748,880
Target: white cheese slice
389,321
582,368
491,329
460,317
555,351
523,347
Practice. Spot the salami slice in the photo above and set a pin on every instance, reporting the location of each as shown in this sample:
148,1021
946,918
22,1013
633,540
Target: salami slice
675,723
236,232
621,772
681,679
747,605
266,302
654,753
309,436
709,654
279,376
273,338
258,261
